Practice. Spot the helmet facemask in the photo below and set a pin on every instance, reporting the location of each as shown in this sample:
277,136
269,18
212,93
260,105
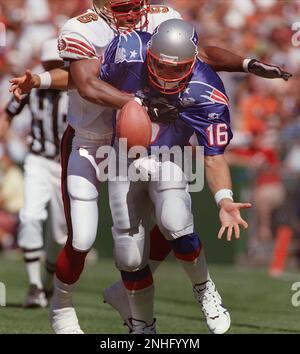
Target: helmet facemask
168,75
125,15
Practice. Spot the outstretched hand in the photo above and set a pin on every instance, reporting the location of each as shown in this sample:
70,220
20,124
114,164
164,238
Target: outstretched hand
268,71
22,85
231,219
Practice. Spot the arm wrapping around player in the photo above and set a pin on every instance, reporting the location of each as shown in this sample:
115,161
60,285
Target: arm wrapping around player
58,79
82,75
85,74
223,60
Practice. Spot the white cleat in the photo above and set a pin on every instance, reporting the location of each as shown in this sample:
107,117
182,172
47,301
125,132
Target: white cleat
64,321
216,315
116,296
141,327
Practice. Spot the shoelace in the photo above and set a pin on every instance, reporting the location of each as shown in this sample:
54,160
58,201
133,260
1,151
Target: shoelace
209,300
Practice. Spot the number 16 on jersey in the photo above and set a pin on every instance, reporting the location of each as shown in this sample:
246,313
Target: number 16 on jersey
217,134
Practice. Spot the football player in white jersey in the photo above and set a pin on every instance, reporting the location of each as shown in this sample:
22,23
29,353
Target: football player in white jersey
82,43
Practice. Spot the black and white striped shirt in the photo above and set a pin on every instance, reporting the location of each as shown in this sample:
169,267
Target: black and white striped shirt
49,120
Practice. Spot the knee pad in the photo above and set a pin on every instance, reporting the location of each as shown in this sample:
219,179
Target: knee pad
175,214
187,248
83,238
84,216
129,249
172,202
79,188
61,239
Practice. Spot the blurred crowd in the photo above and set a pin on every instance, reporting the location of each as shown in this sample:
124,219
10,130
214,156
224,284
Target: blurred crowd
265,113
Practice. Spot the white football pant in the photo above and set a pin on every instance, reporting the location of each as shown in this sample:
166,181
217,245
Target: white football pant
42,183
131,203
83,191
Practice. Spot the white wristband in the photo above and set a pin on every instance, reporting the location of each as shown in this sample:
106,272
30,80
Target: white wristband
46,80
222,194
246,64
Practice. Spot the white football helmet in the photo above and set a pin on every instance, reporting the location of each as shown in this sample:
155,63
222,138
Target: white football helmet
124,15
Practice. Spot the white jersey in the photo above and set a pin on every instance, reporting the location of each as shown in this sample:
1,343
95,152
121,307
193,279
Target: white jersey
87,37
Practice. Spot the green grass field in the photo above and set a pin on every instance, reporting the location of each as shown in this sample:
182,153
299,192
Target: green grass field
257,303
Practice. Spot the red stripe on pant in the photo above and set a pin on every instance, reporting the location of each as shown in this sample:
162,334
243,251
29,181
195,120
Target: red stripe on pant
139,285
139,280
70,263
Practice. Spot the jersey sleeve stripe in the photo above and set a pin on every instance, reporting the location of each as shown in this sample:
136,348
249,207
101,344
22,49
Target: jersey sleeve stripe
80,53
78,47
89,48
220,95
219,100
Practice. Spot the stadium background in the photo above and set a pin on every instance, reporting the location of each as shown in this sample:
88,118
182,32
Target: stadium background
265,114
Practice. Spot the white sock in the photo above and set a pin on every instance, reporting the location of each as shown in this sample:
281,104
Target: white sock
197,270
34,273
63,294
142,304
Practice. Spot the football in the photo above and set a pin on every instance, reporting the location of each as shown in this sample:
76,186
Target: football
134,124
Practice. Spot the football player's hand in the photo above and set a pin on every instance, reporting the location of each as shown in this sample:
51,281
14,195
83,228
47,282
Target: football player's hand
160,110
231,219
22,85
267,71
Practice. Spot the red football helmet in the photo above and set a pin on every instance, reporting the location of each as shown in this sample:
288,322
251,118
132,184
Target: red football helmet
124,15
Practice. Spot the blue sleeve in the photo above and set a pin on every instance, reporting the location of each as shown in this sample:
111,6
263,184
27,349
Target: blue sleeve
125,62
215,133
211,122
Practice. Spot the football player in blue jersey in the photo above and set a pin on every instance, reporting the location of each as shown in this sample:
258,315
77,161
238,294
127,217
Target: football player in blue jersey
165,68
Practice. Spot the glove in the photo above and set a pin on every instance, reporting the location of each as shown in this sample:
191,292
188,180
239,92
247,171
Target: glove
265,70
160,110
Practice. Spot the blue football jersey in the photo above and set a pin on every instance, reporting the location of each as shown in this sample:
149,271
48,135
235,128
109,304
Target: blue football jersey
203,105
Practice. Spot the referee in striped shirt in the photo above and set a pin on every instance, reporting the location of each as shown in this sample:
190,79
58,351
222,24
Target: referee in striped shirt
42,181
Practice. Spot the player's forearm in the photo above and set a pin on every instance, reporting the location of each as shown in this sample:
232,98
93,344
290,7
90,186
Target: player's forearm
60,79
217,173
100,92
221,59
85,74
